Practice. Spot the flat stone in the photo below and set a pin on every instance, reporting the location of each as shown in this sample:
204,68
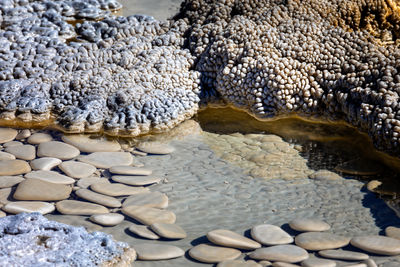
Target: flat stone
35,189
98,198
129,170
143,231
285,253
150,200
393,232
25,152
213,254
87,182
45,164
75,207
283,264
6,156
106,160
237,263
309,225
10,181
14,167
38,138
5,194
321,241
228,238
370,263
265,263
136,180
23,134
7,134
270,235
381,245
169,231
151,252
155,148
77,169
116,190
50,176
149,216
59,150
28,206
86,144
107,219
343,255
2,214
316,262
12,143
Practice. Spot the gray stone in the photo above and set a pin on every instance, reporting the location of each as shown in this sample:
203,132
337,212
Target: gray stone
213,254
28,206
25,152
5,194
59,150
135,180
14,167
268,234
169,231
316,262
107,219
228,238
86,144
74,207
12,143
321,241
155,148
38,138
45,164
6,156
98,198
393,232
106,160
77,169
50,176
370,263
143,231
23,134
87,182
150,199
149,216
151,252
35,189
309,225
7,134
381,245
283,264
238,263
129,170
285,253
116,190
343,255
10,181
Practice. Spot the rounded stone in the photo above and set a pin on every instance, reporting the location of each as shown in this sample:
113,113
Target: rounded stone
98,198
213,254
270,235
87,182
283,264
38,138
343,255
150,199
228,238
14,167
129,170
5,194
151,252
107,219
309,225
136,180
116,190
75,207
6,156
325,175
169,231
393,232
45,164
12,143
77,169
285,253
50,176
7,135
2,214
23,134
35,189
149,216
106,160
10,181
381,245
321,241
28,206
316,262
155,148
238,263
59,150
25,152
86,144
143,231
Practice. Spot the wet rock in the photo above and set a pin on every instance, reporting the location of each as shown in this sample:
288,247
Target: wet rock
28,206
74,207
316,262
150,199
285,253
116,190
143,231
343,255
268,234
381,245
237,263
149,216
155,148
98,198
151,252
213,254
321,241
169,231
128,170
59,150
107,219
309,225
135,180
228,238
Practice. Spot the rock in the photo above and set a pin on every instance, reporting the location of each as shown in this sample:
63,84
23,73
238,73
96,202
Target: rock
28,206
23,134
25,152
149,216
370,263
106,160
237,263
169,231
50,176
285,253
2,214
309,225
393,232
143,231
213,254
35,189
321,241
6,156
86,182
74,207
45,164
325,175
7,134
270,235
151,252
150,199
59,150
38,138
343,255
98,198
9,181
107,219
12,143
283,264
265,263
116,190
86,144
381,245
155,148
135,180
14,167
316,262
5,194
228,238
129,170
77,169
372,185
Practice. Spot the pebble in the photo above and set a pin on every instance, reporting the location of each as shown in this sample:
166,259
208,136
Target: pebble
86,144
12,143
38,138
393,232
358,265
14,167
370,263
285,253
228,238
213,254
10,181
50,176
86,182
309,225
151,252
270,235
381,245
283,264
143,231
6,156
316,262
45,164
98,198
59,150
169,231
150,199
343,255
135,180
116,190
321,241
7,134
23,134
77,169
5,194
149,216
106,160
155,148
129,170
75,207
28,206
107,219
373,185
35,189
2,214
237,263
25,152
